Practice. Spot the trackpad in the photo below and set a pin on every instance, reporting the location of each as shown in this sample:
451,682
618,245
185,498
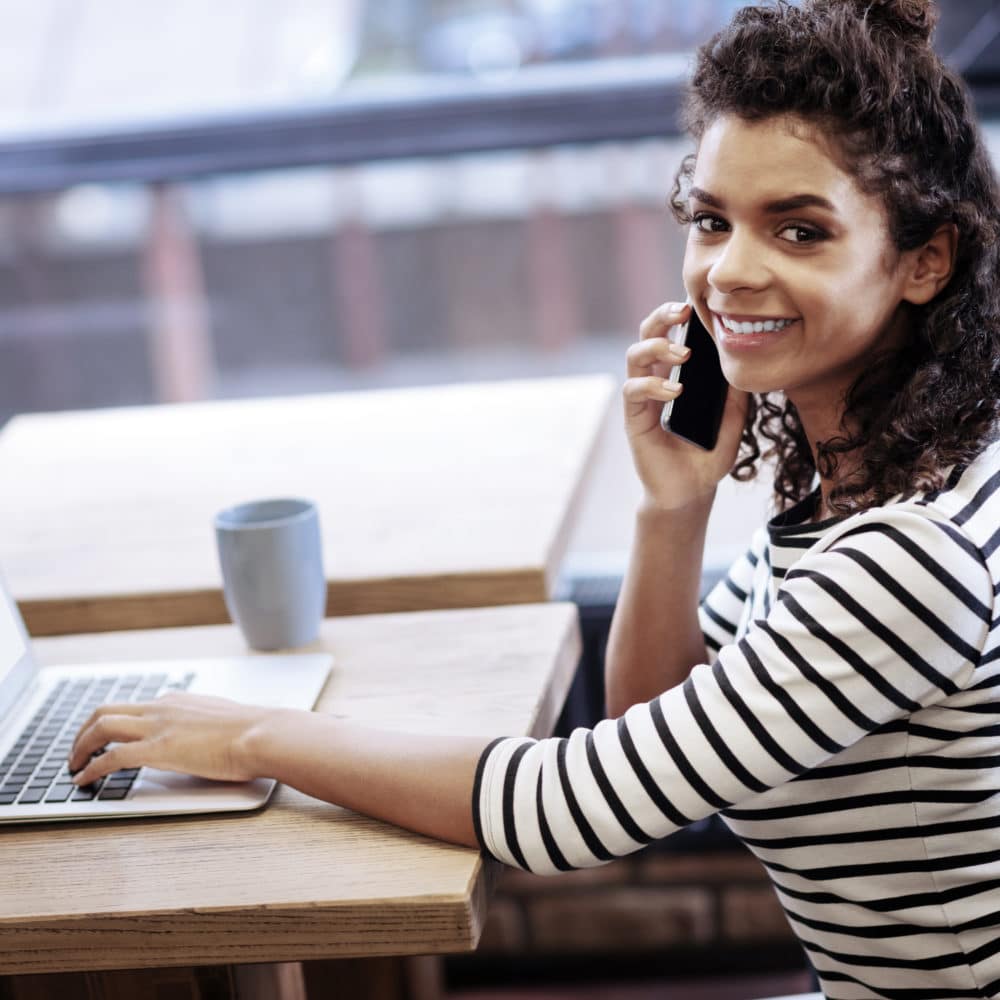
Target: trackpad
153,782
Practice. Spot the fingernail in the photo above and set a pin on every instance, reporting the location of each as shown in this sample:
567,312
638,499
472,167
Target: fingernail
668,384
673,308
680,351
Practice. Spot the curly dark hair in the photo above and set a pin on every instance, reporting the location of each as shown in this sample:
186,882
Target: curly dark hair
864,72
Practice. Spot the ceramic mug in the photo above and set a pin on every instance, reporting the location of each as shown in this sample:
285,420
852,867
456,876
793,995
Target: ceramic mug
271,556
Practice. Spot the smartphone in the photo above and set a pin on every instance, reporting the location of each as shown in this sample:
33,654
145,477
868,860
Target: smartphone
696,414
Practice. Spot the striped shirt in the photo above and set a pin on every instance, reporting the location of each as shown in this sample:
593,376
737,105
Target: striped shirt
846,724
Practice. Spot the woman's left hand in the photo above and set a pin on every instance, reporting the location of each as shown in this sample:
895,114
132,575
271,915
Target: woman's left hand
193,734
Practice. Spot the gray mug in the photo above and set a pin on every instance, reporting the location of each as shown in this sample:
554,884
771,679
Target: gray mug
272,571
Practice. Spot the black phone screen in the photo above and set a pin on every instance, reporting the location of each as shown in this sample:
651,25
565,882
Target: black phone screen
696,414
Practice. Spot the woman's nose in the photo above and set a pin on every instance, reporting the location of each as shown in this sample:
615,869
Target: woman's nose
739,264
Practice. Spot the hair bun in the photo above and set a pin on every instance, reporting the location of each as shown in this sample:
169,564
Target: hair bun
905,18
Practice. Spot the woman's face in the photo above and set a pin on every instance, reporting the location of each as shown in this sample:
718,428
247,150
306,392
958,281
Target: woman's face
782,236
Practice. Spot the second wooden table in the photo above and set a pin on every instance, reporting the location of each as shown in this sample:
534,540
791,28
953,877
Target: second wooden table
442,497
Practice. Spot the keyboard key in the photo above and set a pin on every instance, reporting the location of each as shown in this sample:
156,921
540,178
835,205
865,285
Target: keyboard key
113,793
28,797
60,793
85,794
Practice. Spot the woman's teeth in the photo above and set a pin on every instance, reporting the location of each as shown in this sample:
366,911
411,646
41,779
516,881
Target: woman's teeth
760,326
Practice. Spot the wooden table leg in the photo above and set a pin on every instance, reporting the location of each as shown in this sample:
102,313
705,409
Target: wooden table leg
269,981
416,978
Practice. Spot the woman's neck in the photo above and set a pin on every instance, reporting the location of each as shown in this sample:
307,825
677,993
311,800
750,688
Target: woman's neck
824,423
822,511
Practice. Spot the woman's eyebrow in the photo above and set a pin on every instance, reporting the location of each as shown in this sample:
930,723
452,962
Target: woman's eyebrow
788,204
798,201
709,199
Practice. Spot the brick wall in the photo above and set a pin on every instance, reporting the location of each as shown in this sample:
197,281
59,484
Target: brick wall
654,901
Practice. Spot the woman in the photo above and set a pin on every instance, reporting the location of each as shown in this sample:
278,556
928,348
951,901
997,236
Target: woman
842,249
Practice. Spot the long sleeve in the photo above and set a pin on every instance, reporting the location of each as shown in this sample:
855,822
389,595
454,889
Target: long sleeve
723,607
886,615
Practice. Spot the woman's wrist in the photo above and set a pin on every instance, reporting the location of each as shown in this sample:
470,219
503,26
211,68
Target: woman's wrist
695,510
258,750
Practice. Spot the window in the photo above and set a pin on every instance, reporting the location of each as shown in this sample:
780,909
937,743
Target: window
248,198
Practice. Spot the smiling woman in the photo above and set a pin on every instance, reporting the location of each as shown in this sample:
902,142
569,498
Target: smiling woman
884,119
819,267
835,697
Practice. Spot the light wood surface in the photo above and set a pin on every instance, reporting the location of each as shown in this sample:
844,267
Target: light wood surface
454,496
301,878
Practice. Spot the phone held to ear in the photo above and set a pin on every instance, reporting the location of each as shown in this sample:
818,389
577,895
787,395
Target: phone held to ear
696,414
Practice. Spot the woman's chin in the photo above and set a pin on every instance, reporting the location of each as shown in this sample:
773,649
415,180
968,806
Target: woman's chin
748,382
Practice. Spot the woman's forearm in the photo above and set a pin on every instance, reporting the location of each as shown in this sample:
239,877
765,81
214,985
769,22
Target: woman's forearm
420,782
655,637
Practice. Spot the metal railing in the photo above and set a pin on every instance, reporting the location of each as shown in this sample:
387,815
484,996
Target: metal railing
606,100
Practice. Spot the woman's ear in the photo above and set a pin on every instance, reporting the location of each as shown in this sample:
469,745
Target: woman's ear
931,265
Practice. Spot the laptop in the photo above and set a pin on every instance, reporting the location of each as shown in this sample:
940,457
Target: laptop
41,711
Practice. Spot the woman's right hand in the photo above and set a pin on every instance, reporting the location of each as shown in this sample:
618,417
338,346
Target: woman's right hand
189,733
673,472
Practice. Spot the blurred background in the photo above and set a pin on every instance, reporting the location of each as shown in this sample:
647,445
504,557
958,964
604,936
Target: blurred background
251,197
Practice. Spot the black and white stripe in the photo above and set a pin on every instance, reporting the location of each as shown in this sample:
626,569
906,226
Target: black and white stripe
847,725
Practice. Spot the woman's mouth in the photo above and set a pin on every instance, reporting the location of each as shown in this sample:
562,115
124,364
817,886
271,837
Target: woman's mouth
745,325
734,332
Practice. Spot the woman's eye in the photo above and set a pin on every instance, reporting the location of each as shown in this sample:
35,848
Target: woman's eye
800,234
706,223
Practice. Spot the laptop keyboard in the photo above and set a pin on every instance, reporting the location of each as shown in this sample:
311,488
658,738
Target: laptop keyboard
35,770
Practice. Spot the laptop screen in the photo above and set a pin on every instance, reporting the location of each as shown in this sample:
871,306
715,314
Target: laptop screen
16,665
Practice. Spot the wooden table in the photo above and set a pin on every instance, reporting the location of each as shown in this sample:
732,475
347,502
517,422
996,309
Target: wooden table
442,497
301,879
